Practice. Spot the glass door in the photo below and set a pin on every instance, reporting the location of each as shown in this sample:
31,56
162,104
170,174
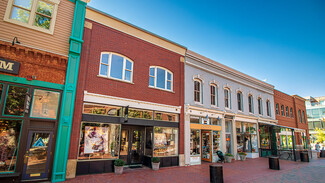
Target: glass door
132,145
37,156
136,148
206,145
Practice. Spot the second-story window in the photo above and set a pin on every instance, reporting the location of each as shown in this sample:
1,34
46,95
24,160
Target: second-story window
160,78
240,101
303,116
250,104
277,109
227,97
291,112
282,110
213,90
197,91
116,67
260,106
287,111
300,120
268,108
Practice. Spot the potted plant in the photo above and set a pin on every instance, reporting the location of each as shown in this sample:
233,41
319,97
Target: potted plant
242,156
118,166
228,157
155,162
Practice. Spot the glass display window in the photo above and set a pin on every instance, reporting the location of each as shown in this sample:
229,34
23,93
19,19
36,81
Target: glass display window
99,141
265,137
138,113
165,141
195,119
9,139
195,142
149,144
246,137
15,101
45,104
284,139
216,141
163,116
238,127
98,109
215,121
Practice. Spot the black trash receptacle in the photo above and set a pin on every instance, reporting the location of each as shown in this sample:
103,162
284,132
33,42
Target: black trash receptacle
274,163
304,157
216,174
322,153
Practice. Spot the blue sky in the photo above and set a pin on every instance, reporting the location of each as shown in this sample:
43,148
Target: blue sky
282,41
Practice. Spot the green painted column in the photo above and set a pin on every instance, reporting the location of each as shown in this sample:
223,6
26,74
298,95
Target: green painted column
67,107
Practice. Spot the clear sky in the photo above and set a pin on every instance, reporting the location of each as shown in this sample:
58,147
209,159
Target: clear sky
279,41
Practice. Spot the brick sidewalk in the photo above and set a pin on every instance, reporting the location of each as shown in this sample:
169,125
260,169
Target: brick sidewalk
251,170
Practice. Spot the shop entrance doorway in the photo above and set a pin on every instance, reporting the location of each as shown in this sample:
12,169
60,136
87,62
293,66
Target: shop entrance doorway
38,155
132,145
206,146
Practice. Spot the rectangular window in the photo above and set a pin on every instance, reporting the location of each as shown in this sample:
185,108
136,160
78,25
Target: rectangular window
246,137
216,141
195,142
195,119
9,139
45,104
215,121
149,143
142,114
227,98
282,110
166,141
239,101
277,108
213,94
260,107
160,78
291,112
99,141
303,116
15,101
197,91
250,104
102,110
268,108
299,112
287,111
35,14
163,116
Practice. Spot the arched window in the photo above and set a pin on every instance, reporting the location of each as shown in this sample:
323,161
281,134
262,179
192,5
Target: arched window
299,112
240,100
214,94
197,90
160,78
277,109
282,110
260,106
227,97
291,112
287,111
250,104
268,108
116,66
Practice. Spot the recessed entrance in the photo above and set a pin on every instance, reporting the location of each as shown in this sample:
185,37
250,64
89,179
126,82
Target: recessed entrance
132,145
206,145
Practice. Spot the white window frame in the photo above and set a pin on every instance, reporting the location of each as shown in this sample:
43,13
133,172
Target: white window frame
241,101
287,111
166,78
250,107
282,110
260,105
215,95
200,91
32,15
268,108
277,109
109,67
227,98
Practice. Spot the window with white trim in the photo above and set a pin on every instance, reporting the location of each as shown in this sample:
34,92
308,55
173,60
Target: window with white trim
277,109
160,78
260,106
227,97
268,108
287,111
116,66
197,90
291,112
240,100
250,104
282,110
213,90
35,14
303,116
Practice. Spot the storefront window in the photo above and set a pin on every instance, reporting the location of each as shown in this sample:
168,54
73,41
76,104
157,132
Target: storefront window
15,101
102,110
99,141
1,88
166,141
215,121
247,137
143,114
194,119
195,142
149,135
45,104
228,136
9,139
265,137
162,116
216,141
285,140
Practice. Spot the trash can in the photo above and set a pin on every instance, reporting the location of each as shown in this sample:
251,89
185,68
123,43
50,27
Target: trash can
216,174
274,163
304,157
322,153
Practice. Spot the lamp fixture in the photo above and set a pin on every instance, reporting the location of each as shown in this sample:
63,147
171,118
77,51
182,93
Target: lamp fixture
15,41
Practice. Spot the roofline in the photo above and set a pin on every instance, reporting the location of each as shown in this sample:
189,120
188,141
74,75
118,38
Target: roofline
226,68
134,26
294,96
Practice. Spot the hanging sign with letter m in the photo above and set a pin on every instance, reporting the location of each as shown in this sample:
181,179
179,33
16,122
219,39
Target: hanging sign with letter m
9,66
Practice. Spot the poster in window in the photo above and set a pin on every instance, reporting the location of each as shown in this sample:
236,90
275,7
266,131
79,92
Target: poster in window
96,139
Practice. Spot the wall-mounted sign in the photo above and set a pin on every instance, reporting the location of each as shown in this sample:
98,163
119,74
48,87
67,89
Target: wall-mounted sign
9,66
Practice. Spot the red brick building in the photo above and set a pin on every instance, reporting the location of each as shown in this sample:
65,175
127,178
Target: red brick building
291,115
129,98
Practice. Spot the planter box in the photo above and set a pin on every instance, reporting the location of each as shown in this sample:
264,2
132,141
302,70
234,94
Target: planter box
155,166
242,157
228,159
118,170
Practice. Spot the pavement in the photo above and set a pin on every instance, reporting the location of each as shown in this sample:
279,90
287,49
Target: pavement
251,170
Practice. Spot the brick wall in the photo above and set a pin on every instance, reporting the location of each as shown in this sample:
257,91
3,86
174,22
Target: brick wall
45,66
101,38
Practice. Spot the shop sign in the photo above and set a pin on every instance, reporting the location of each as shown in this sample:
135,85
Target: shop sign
9,66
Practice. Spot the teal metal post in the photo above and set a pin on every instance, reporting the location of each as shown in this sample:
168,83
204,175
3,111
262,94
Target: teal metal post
66,113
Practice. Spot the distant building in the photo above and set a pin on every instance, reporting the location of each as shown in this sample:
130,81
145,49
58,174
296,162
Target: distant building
315,114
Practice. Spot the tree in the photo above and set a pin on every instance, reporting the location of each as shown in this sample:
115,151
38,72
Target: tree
320,135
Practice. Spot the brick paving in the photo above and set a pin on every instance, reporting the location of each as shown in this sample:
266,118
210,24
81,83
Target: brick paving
251,170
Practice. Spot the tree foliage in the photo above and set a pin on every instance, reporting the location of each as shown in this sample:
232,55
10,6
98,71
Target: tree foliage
320,135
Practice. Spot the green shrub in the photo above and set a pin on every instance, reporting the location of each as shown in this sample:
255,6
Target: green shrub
155,160
242,153
228,154
119,162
